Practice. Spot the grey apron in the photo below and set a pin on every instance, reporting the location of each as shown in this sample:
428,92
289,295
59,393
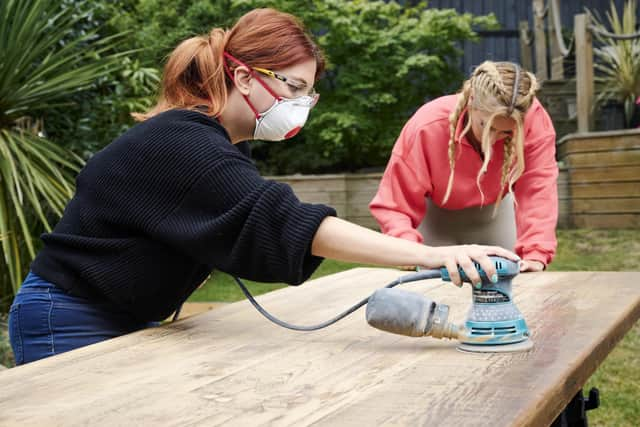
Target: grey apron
444,227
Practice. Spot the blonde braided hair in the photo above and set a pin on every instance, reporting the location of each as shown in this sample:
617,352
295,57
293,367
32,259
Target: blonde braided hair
492,85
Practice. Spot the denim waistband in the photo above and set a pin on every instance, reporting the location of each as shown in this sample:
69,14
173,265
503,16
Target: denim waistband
35,283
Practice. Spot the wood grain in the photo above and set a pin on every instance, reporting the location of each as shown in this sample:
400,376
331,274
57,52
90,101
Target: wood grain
584,72
231,366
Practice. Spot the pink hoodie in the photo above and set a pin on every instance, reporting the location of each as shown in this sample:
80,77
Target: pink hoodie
419,168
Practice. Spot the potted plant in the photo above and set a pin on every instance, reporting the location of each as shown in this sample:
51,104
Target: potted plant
617,61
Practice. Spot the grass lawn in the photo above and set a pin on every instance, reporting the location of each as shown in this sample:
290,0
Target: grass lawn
618,378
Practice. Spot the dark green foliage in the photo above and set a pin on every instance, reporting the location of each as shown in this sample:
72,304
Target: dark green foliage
384,60
103,110
48,56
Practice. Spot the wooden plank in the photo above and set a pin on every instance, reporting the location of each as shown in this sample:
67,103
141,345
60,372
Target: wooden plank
362,193
326,197
525,46
540,40
564,211
605,158
609,189
606,174
606,221
360,200
563,184
563,192
564,206
563,174
606,206
362,189
557,60
359,211
365,178
596,144
311,184
230,366
584,72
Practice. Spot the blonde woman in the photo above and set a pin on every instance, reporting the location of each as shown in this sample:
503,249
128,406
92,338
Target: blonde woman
476,167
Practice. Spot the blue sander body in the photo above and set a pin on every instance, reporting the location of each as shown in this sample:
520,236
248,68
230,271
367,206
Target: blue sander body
493,319
493,323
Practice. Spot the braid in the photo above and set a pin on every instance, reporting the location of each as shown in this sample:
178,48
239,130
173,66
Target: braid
463,98
487,80
526,97
506,165
507,162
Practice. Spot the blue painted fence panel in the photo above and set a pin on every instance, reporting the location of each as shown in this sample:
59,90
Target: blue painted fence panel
504,45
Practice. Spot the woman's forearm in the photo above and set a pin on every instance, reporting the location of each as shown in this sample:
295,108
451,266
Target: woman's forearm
345,241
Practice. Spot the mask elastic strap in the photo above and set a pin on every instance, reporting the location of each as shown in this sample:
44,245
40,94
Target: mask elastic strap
264,85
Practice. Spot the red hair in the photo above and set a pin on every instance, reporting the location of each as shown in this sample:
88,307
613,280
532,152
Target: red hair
194,73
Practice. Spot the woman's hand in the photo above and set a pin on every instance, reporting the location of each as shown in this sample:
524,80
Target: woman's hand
464,256
530,265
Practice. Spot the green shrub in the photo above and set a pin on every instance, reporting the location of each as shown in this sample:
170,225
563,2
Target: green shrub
44,62
384,60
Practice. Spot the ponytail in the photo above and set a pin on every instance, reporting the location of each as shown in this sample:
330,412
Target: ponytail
193,76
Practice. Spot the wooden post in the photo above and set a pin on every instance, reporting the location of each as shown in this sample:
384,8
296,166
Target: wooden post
584,73
557,60
525,46
540,40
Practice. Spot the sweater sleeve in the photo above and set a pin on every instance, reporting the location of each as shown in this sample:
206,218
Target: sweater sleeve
536,194
399,205
235,221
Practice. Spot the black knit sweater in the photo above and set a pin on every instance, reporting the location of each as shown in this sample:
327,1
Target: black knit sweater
166,203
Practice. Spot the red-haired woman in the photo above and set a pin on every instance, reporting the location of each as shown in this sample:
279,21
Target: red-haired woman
459,155
173,199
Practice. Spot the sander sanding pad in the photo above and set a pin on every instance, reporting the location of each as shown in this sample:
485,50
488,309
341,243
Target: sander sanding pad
521,346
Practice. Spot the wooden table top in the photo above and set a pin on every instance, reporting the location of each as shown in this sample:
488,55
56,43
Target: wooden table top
232,366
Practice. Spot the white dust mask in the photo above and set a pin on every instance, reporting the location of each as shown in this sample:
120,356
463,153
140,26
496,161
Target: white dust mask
283,119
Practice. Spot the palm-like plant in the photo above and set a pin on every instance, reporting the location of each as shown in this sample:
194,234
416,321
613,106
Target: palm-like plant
618,60
41,62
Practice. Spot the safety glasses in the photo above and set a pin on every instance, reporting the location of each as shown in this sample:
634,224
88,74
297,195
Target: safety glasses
295,86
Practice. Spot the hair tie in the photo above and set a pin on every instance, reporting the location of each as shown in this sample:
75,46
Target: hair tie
516,82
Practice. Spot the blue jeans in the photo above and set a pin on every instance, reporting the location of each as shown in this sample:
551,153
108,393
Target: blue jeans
45,320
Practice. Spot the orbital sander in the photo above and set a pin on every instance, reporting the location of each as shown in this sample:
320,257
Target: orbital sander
493,324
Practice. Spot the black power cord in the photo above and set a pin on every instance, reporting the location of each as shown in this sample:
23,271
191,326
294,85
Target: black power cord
413,277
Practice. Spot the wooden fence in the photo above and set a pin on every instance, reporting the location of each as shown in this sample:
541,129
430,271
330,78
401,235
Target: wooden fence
602,179
598,185
350,194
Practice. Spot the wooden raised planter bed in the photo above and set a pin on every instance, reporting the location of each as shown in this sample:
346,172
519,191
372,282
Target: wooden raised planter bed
603,178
